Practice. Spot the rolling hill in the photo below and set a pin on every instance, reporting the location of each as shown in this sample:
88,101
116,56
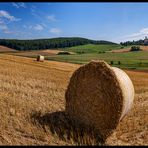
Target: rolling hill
93,48
38,44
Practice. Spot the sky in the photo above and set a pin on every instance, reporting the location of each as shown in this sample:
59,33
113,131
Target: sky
116,22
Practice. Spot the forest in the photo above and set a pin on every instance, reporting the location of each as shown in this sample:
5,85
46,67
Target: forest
38,44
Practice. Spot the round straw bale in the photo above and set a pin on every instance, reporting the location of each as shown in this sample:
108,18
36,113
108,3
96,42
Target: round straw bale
99,96
40,58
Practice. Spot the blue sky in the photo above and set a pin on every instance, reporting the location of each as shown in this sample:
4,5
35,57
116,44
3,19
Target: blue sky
100,21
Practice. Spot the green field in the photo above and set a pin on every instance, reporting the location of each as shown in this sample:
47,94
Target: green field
132,60
92,48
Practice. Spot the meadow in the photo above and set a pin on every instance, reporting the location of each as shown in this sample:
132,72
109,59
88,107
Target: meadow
92,48
131,60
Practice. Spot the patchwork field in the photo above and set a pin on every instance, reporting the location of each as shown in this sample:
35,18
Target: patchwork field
121,58
32,90
130,60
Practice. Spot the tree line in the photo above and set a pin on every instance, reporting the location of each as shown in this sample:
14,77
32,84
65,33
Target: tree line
37,44
127,43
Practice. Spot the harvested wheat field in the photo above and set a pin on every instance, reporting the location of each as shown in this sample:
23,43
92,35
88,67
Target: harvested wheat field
47,52
6,49
54,51
144,48
32,106
120,50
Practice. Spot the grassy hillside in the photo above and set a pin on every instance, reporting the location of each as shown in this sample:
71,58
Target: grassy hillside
91,48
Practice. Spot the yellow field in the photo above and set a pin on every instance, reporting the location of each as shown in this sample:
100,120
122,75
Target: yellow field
47,52
36,89
6,49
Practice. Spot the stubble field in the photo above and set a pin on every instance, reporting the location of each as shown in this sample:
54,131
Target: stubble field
31,89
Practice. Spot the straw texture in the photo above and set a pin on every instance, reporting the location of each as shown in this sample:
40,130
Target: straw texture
95,97
40,58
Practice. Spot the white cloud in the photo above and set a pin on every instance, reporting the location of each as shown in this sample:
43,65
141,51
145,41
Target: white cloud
19,5
33,9
3,27
51,18
15,5
138,35
5,14
28,26
8,32
38,27
55,30
22,5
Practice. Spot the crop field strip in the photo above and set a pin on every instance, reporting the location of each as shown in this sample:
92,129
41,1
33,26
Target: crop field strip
36,64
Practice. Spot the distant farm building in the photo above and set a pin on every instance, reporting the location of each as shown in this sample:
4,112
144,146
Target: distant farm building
146,41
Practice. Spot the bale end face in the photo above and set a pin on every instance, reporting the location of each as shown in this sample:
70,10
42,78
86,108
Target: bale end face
40,58
95,97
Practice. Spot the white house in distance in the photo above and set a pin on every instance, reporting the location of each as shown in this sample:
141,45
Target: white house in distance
146,41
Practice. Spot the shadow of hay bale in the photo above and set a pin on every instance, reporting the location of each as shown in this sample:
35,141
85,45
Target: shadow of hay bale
67,129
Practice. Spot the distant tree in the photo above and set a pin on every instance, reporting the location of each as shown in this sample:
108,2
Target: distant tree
63,53
119,62
127,43
140,63
135,48
101,52
111,62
